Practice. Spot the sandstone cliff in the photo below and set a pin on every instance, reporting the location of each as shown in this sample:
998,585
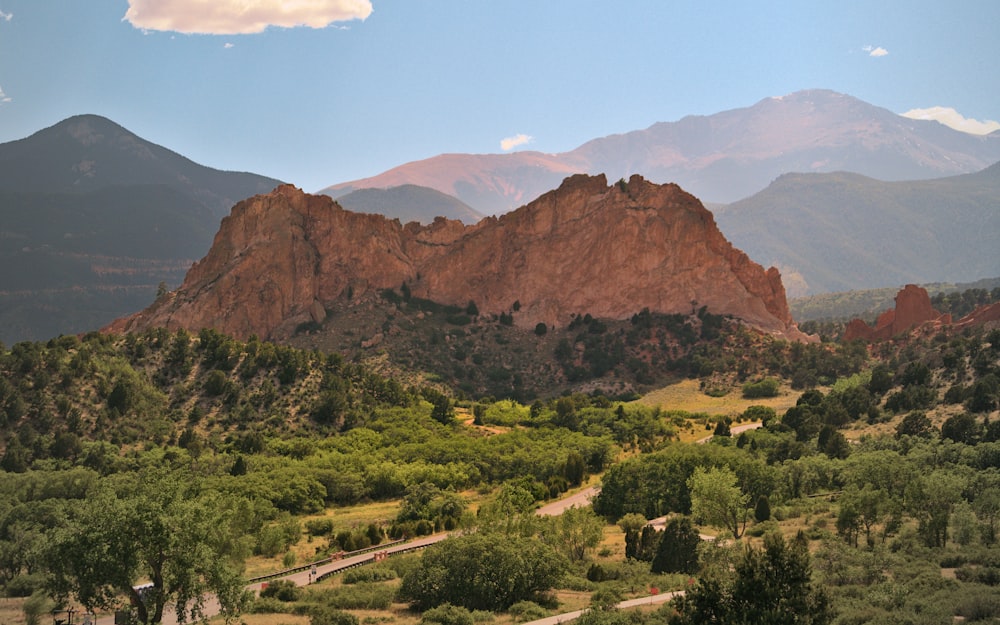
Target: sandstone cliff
913,309
279,259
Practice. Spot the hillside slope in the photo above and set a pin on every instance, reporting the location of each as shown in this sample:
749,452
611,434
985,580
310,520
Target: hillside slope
409,202
94,218
842,231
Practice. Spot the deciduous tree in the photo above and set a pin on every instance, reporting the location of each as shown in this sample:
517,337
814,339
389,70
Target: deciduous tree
479,572
717,500
184,543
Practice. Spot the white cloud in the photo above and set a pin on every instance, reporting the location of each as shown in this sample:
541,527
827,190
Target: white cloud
876,52
240,17
6,16
4,98
228,45
512,142
953,119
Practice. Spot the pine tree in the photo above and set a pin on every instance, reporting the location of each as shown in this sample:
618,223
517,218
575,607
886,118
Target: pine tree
772,586
762,512
678,549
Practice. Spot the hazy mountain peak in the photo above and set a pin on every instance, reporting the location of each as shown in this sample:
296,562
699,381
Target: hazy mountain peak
721,157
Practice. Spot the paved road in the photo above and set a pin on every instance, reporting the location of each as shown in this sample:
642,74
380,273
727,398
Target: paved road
304,577
736,429
630,603
580,499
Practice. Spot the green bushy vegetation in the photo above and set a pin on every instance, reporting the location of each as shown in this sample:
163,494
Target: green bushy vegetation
888,465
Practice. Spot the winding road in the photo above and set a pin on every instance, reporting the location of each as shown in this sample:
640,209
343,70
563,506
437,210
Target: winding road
306,576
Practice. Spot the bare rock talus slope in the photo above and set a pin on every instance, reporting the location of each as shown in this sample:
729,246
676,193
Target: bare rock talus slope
586,247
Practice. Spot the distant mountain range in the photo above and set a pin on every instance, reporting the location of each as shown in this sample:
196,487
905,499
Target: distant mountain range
93,218
409,202
841,231
719,158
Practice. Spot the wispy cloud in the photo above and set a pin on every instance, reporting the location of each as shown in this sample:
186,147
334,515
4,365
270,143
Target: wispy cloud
240,17
953,119
512,142
4,98
876,52
228,45
6,16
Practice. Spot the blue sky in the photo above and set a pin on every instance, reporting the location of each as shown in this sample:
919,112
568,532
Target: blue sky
317,92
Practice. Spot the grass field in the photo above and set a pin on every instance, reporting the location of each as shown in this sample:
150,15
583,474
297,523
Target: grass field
686,395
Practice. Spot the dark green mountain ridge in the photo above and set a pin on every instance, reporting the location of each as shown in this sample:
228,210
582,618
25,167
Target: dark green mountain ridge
94,218
843,231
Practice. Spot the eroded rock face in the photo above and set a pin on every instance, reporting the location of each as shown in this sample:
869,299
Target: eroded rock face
913,309
584,248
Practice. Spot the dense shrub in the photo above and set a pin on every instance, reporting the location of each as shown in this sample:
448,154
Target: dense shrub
368,574
447,614
768,387
480,572
524,611
282,590
324,615
361,596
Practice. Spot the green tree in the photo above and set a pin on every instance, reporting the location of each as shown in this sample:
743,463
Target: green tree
762,510
987,508
510,512
575,469
631,524
914,424
768,387
932,498
717,500
762,414
575,531
152,528
678,549
881,380
867,508
771,586
479,572
441,409
961,428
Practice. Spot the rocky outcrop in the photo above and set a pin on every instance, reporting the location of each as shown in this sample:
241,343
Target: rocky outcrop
586,247
913,309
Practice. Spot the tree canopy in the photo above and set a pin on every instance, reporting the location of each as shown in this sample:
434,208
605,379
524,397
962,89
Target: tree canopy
153,542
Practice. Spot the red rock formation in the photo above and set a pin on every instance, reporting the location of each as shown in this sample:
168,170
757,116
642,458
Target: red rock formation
913,309
987,316
583,248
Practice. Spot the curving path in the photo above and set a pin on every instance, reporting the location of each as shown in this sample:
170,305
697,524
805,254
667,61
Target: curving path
628,603
305,576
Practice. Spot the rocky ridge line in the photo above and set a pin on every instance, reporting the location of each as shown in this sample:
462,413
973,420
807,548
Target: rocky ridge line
586,247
